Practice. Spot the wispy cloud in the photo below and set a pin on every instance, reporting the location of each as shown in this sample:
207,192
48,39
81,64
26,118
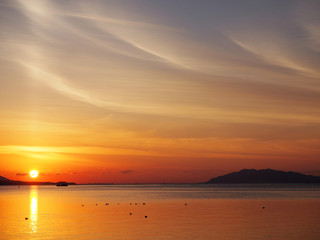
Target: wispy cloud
275,56
127,171
90,79
68,150
21,174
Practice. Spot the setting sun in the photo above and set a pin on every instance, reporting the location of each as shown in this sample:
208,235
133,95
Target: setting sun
34,173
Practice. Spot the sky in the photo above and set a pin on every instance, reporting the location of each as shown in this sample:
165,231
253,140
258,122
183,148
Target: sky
146,91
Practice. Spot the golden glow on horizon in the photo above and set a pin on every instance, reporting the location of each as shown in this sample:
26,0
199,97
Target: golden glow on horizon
34,173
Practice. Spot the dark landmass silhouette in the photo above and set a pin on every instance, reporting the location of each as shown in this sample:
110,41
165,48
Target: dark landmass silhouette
265,176
3,179
251,176
6,181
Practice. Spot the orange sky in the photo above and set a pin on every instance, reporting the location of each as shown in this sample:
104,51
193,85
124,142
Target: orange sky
153,91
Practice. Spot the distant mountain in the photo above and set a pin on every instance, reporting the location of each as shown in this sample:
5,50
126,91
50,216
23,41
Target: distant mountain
6,181
3,179
265,176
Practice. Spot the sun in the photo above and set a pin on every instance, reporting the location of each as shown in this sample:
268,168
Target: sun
34,173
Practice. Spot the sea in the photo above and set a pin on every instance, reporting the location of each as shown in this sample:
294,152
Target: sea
164,211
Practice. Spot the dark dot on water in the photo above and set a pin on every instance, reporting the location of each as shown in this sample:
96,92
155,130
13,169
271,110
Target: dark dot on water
263,207
145,216
131,213
130,203
82,205
26,218
185,204
144,203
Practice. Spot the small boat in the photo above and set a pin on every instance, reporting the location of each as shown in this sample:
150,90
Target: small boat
62,185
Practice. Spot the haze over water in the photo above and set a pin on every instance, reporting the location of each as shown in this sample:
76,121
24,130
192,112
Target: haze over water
170,212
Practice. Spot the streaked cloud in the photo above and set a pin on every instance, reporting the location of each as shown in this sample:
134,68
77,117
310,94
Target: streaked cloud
127,171
21,174
85,81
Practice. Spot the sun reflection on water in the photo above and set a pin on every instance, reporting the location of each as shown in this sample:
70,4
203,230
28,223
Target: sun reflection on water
34,208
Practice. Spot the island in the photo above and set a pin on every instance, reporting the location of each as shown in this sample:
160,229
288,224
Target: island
264,176
6,181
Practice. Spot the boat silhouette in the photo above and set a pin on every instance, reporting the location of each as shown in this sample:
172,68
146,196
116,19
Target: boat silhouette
62,184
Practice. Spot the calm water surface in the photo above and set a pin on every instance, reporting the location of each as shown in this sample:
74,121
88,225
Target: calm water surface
160,212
